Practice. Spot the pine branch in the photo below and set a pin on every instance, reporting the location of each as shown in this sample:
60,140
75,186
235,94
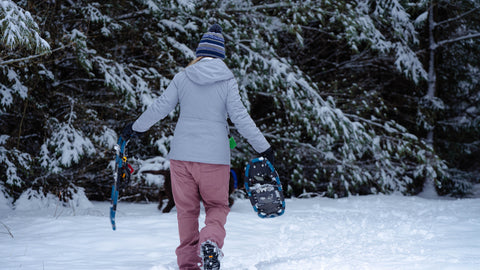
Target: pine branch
133,14
458,17
265,6
11,61
443,42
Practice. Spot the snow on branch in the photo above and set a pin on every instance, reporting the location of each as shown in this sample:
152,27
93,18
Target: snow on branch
128,80
28,58
93,14
408,62
10,86
19,29
66,146
11,159
453,40
363,25
262,7
457,17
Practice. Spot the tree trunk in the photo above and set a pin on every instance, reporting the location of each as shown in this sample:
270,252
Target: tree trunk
432,77
428,186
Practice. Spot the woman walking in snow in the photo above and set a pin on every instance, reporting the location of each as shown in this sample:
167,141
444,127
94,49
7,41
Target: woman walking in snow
200,155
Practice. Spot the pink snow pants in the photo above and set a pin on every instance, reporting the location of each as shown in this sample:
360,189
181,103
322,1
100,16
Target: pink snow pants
192,182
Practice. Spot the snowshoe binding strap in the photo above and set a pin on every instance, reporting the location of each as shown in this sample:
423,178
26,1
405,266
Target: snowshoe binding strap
121,176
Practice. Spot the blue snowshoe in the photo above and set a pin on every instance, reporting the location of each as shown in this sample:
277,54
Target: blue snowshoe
264,188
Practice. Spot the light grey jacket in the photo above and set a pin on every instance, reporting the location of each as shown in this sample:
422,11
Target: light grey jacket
208,93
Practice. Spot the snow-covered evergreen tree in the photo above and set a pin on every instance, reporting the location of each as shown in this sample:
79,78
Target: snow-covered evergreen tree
19,29
20,40
448,111
111,59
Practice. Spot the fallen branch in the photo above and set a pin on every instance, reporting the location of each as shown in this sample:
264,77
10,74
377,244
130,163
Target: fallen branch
8,230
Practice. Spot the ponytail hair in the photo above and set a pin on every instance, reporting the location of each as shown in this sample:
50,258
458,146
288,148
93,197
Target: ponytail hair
194,61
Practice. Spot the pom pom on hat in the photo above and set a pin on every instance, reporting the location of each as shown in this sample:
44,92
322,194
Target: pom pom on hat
215,28
212,43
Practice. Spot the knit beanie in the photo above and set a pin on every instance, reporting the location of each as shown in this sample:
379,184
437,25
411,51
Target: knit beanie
212,43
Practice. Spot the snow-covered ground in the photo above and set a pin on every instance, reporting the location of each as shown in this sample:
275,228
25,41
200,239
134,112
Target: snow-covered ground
370,232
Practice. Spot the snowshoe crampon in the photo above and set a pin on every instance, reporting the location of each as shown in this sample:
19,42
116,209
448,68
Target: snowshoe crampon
211,256
264,188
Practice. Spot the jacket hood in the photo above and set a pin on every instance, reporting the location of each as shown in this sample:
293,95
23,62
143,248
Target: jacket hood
208,71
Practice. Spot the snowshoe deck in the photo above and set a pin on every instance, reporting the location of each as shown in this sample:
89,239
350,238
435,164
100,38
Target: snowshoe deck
264,188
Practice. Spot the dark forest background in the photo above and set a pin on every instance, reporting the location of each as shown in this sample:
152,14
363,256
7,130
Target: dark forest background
357,97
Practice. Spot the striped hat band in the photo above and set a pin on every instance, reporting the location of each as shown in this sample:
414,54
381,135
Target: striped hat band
212,44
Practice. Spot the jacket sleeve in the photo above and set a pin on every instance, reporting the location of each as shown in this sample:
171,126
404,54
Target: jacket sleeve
159,109
242,120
